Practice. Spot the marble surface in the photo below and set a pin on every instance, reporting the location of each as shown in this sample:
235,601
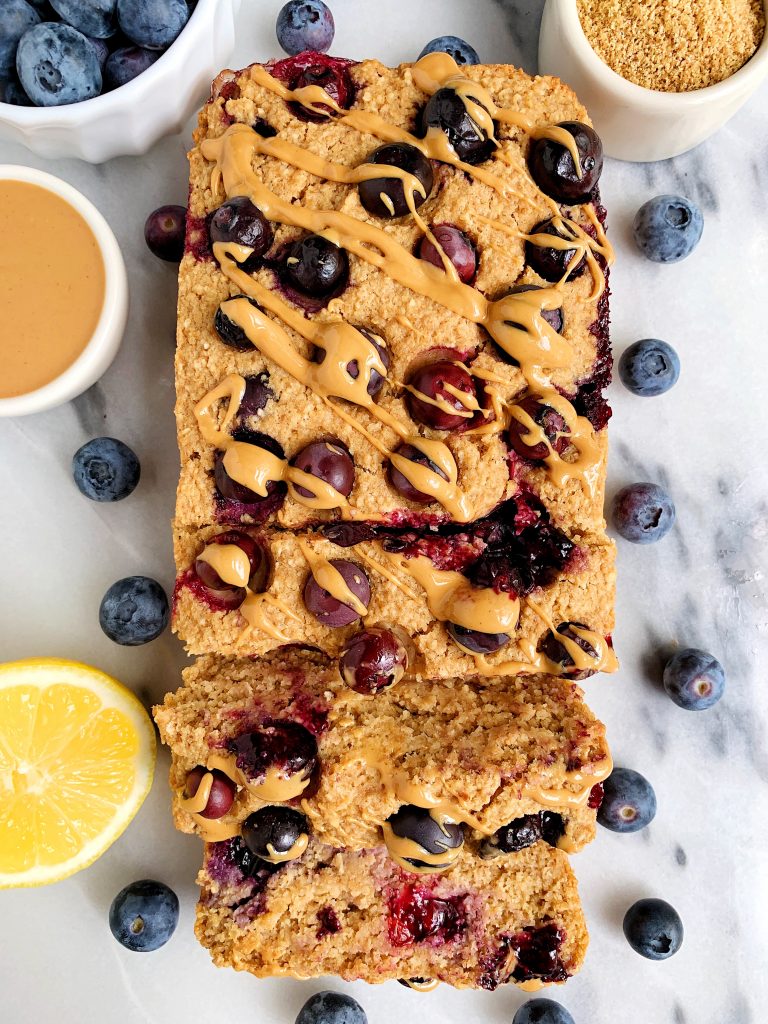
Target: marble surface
704,585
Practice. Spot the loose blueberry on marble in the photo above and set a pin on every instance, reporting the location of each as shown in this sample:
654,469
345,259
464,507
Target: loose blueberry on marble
653,929
373,660
16,17
550,262
542,1011
457,247
331,1008
386,197
239,221
446,110
143,916
105,469
330,462
221,796
305,25
649,367
134,611
643,513
694,679
91,17
629,802
122,67
280,828
439,382
553,169
455,47
328,610
57,65
153,24
164,232
316,267
668,228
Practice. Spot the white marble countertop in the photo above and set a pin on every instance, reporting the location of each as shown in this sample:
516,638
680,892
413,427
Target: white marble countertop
704,585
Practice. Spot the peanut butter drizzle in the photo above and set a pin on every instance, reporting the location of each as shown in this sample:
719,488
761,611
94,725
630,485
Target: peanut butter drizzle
604,661
211,830
255,611
298,848
229,562
421,984
571,798
387,573
403,850
330,579
466,399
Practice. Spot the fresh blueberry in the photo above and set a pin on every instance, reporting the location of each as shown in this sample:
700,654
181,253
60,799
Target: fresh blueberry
164,230
305,25
105,469
16,16
57,65
629,802
649,367
126,64
643,513
542,1011
144,915
668,228
134,611
153,24
694,679
101,47
13,93
91,17
455,47
331,1008
653,929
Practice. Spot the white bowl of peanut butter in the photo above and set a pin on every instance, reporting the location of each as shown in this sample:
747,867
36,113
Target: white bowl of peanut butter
63,292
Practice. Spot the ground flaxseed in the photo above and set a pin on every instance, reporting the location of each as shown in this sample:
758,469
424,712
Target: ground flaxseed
673,45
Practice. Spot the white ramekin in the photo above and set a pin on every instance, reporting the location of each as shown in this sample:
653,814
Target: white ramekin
131,119
636,123
97,355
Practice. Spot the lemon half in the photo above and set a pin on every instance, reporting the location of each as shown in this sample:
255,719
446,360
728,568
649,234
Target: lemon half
77,754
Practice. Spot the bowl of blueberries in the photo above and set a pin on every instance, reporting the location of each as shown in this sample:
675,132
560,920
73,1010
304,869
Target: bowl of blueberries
97,79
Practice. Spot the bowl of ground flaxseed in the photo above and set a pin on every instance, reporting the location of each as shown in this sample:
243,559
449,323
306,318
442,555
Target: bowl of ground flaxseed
658,77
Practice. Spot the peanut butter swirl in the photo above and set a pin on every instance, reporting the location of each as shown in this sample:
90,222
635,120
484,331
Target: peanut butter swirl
411,856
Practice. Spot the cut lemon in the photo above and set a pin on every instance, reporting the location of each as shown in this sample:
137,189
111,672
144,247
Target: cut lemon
77,753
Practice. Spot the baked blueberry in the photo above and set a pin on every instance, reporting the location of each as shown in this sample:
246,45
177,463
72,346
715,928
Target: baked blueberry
549,261
334,79
105,469
57,65
554,649
330,462
276,834
283,746
230,489
329,610
476,642
554,171
439,382
16,17
228,595
386,197
643,513
402,485
316,267
143,916
153,24
124,65
375,379
668,228
373,660
554,317
256,395
554,427
653,929
446,110
455,47
629,802
537,951
694,679
231,333
331,1008
542,1011
164,231
239,221
457,247
91,17
134,611
221,796
649,367
305,25
429,831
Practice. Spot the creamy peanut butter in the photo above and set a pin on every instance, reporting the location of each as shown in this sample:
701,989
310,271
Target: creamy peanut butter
52,286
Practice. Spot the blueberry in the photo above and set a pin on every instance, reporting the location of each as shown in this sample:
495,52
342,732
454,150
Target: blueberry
144,915
134,611
126,64
643,513
552,167
316,267
91,17
105,469
57,65
164,230
386,197
649,367
101,48
668,228
629,802
542,1011
15,95
331,1008
653,929
455,47
16,16
305,25
694,679
153,24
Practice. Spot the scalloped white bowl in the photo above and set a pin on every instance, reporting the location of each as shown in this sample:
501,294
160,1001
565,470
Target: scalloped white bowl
131,119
